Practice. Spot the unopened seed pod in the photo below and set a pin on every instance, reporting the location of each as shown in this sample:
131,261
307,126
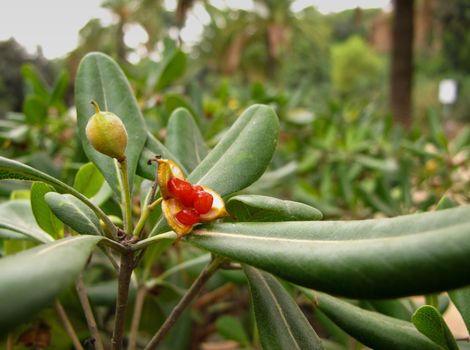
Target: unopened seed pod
107,134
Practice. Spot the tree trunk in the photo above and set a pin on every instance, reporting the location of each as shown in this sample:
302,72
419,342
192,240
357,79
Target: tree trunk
402,62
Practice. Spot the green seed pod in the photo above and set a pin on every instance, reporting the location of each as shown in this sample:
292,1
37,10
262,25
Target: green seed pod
107,134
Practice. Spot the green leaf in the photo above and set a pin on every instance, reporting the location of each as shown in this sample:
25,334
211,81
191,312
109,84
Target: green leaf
175,101
231,328
59,89
397,308
169,69
35,110
242,155
74,213
263,208
10,234
461,300
152,148
380,258
88,180
429,322
43,214
184,139
274,178
281,324
20,194
445,203
30,74
16,217
374,330
31,280
11,169
99,78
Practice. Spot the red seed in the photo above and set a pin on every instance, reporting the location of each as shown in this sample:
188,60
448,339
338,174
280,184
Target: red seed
182,190
203,202
188,216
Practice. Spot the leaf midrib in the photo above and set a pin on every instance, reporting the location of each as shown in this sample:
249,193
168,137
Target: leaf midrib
278,307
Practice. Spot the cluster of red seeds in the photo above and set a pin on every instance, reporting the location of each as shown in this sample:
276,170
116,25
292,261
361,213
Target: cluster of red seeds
195,200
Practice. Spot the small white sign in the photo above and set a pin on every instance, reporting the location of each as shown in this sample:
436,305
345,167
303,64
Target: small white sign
447,91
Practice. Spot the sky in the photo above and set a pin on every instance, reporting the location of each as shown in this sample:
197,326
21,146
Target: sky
54,24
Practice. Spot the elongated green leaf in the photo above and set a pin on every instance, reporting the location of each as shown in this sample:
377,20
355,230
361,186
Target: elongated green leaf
242,155
174,101
74,213
35,110
59,89
88,180
31,75
152,148
274,178
263,208
184,139
10,234
103,195
382,258
461,299
429,322
397,308
169,69
32,279
11,169
99,78
281,324
374,330
17,217
43,214
231,328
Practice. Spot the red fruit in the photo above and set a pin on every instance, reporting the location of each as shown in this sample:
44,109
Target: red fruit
188,216
182,190
203,202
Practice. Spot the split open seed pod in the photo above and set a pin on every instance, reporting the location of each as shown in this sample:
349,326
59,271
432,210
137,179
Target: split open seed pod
166,170
171,205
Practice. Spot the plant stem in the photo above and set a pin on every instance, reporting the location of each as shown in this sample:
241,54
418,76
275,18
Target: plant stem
152,205
200,260
124,279
111,229
148,241
113,244
143,218
110,257
68,325
126,196
191,293
139,304
90,318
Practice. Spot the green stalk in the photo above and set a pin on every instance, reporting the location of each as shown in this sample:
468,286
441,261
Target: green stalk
148,241
143,218
126,196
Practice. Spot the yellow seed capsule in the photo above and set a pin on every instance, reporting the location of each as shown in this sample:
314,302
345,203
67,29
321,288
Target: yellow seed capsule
107,134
